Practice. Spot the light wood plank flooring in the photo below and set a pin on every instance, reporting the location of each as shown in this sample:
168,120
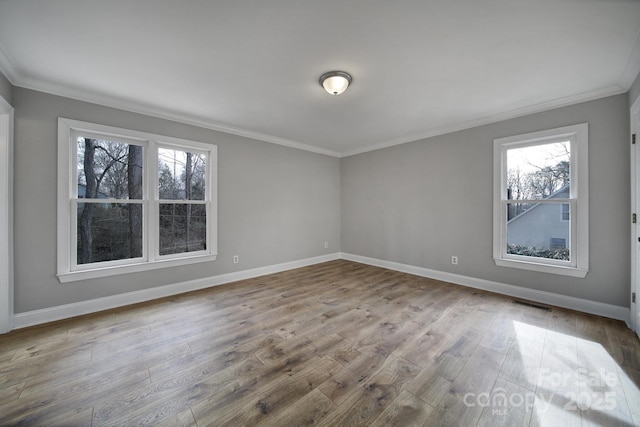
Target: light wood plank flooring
335,344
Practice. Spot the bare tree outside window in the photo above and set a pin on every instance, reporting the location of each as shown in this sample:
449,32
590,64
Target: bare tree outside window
108,230
131,201
536,175
181,187
134,187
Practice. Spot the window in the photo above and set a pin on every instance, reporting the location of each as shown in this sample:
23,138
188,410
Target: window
131,201
541,201
558,243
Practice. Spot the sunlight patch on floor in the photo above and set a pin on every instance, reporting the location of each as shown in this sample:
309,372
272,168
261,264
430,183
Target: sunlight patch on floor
577,382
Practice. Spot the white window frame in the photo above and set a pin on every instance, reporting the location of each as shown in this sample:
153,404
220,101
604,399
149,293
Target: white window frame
68,269
578,265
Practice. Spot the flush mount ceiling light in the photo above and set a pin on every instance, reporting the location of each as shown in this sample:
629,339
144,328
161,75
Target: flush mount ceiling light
335,82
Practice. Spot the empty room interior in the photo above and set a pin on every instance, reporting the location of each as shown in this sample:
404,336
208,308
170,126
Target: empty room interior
336,213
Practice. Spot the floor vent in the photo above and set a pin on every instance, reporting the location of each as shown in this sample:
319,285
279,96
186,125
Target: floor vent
532,304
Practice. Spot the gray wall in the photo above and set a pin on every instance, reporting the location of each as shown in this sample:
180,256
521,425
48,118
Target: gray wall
422,202
276,204
416,203
6,89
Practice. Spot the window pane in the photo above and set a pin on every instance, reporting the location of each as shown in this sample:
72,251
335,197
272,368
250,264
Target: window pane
539,231
108,169
183,228
181,175
516,209
539,171
109,232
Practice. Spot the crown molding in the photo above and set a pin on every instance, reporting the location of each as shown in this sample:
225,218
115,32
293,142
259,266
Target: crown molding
498,117
113,102
632,66
6,67
16,78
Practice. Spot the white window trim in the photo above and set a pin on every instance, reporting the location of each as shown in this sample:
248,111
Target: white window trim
68,271
579,200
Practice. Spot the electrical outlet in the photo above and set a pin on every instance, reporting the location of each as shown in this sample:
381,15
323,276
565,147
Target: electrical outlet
236,259
454,260
326,245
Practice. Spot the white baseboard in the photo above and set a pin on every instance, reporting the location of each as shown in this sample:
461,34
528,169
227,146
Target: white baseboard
37,317
550,298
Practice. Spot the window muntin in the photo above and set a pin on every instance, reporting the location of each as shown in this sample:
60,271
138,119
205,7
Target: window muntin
120,210
540,197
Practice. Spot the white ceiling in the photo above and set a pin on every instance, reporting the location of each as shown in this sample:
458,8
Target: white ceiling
251,67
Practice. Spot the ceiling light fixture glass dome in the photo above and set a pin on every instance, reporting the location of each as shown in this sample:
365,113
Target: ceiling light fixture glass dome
335,82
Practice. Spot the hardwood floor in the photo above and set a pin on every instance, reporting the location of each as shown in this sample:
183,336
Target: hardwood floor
334,344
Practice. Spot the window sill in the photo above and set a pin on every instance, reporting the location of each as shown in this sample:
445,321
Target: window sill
542,268
74,276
